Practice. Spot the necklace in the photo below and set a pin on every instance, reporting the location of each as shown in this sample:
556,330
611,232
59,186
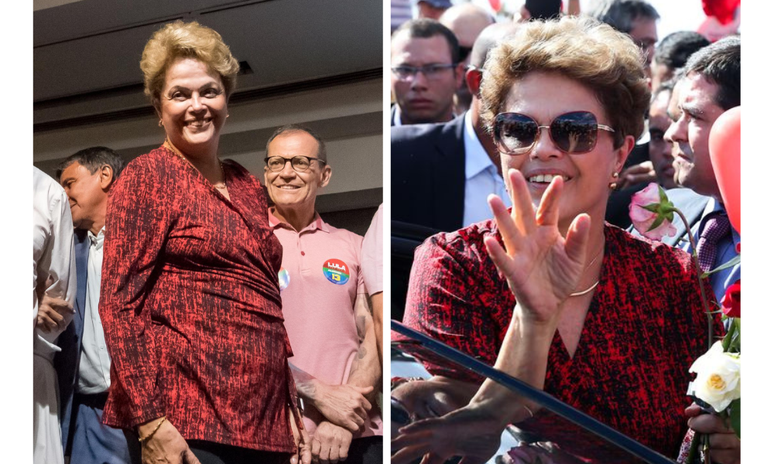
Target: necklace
583,292
217,185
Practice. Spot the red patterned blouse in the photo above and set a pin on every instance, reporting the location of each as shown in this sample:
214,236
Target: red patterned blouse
191,306
644,328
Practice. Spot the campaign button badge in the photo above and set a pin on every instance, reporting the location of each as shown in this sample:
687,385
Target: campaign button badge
336,271
284,278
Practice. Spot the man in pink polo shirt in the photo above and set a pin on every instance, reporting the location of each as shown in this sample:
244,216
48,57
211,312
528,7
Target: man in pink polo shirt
335,360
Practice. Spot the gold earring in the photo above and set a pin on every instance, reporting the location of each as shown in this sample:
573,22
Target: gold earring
161,123
614,185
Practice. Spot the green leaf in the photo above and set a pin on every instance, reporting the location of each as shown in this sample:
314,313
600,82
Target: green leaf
732,262
664,198
653,207
736,417
656,223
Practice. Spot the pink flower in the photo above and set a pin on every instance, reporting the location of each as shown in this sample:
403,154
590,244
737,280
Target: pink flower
651,213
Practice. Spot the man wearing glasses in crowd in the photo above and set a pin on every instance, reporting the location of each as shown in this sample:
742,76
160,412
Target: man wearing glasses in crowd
335,361
425,72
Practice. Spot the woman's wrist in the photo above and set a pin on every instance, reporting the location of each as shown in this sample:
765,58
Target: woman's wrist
146,430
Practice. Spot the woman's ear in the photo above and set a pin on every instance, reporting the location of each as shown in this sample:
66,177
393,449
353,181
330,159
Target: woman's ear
623,152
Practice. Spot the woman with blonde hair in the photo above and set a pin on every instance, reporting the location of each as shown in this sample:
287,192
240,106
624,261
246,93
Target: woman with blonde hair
548,292
190,300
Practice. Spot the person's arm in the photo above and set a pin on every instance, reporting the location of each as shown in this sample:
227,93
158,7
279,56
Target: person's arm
57,296
331,442
366,370
136,228
542,268
371,266
375,303
343,405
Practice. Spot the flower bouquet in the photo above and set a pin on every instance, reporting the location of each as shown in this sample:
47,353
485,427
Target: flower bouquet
717,387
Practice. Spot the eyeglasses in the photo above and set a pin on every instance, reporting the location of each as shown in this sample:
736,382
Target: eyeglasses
431,71
575,132
298,163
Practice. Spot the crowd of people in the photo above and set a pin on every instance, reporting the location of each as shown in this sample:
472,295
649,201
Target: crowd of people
186,319
571,113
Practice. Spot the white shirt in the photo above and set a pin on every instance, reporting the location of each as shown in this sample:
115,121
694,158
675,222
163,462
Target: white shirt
396,117
481,178
53,253
94,368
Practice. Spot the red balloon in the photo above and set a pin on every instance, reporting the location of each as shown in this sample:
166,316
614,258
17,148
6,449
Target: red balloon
725,152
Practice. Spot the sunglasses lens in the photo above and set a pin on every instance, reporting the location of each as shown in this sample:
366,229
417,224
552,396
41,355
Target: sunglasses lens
575,132
514,133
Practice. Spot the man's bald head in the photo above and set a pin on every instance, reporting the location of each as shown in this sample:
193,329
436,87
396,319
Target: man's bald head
489,39
466,21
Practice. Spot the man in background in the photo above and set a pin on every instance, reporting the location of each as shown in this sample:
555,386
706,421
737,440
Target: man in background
335,359
466,21
83,365
541,9
424,57
708,86
432,9
672,54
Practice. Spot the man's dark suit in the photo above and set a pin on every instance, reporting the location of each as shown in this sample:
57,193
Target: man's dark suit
428,174
66,361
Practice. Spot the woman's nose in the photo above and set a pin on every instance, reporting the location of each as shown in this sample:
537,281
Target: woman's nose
544,146
196,102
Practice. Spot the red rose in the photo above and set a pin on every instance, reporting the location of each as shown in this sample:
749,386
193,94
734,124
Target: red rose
732,300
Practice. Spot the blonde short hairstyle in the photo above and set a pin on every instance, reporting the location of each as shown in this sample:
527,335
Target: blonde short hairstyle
607,62
185,40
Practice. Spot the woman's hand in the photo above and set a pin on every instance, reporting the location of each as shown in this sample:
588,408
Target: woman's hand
165,446
472,432
542,267
424,399
724,445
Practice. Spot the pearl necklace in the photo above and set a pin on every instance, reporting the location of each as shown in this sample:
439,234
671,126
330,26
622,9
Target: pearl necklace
583,292
217,185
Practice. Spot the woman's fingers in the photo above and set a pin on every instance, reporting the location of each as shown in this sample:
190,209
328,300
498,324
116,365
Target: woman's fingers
505,224
577,238
523,211
499,256
432,458
408,454
548,211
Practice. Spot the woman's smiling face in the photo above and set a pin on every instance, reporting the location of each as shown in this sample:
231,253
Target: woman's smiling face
543,97
193,107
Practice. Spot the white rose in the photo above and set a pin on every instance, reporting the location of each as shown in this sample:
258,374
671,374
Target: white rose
718,380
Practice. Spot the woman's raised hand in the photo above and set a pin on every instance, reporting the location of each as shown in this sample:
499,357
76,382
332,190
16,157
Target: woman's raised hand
542,267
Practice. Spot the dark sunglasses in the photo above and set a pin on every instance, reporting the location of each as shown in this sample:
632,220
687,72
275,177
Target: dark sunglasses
575,132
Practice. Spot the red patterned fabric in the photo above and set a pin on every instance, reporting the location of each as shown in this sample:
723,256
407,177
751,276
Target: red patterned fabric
644,328
191,306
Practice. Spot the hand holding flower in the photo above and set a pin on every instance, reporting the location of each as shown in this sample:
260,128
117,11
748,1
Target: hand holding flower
724,445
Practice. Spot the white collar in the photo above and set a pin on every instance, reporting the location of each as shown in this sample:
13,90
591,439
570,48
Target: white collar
476,157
